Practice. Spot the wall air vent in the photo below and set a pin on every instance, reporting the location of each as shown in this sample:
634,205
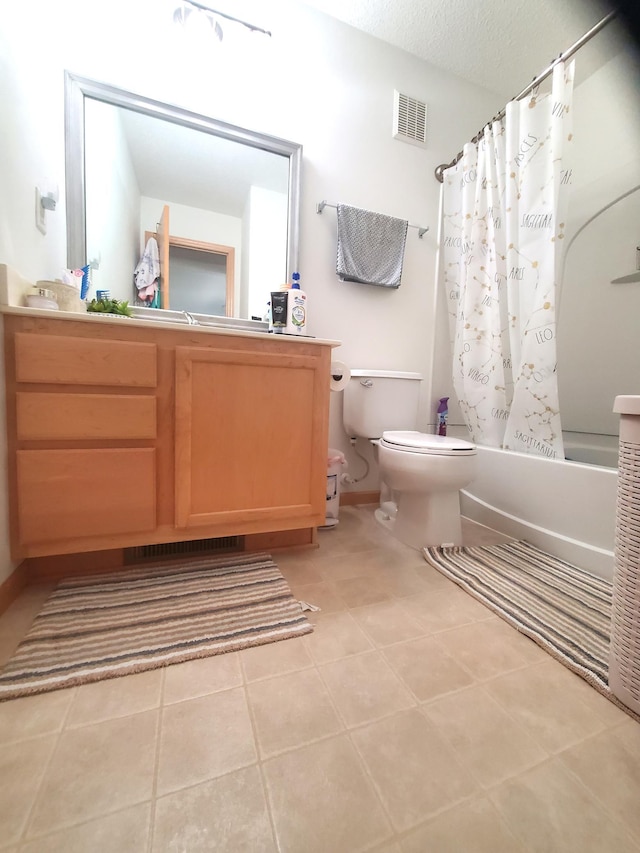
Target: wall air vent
409,119
193,548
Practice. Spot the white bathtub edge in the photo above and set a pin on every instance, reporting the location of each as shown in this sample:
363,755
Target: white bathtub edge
598,561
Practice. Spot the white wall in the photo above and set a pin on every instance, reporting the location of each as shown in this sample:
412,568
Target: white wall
599,322
267,216
112,199
316,82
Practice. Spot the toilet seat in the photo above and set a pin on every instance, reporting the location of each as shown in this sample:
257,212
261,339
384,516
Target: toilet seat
421,442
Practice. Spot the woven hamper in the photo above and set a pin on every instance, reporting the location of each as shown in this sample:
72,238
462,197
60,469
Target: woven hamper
624,661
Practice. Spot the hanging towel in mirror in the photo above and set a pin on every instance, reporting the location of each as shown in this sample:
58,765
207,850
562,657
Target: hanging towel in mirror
370,246
147,272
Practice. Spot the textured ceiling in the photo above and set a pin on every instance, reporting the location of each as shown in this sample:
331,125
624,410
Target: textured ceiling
498,44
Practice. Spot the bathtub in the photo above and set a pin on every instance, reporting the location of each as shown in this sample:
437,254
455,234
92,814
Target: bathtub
591,449
566,508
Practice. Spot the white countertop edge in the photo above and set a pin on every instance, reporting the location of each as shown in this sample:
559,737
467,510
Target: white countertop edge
86,317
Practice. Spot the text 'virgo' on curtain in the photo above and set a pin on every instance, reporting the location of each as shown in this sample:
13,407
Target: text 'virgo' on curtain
504,211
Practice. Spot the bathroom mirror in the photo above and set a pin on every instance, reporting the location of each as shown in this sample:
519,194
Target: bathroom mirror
231,196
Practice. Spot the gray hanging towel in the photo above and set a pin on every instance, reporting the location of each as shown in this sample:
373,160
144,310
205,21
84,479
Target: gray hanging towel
370,246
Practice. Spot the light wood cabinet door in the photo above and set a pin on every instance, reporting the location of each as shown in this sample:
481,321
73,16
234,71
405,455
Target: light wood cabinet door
250,439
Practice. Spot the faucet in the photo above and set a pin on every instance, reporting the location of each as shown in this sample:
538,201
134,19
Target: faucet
191,320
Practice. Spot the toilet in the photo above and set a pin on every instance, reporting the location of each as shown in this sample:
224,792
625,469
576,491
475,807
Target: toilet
421,474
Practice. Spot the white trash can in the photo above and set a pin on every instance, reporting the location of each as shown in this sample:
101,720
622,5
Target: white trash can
335,464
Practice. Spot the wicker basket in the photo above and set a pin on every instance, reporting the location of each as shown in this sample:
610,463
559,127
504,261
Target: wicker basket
67,297
624,662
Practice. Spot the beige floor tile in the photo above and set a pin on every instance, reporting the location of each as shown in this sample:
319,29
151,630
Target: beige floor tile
484,737
445,607
291,710
605,709
31,716
403,581
426,668
344,566
609,765
322,595
360,591
96,770
226,814
548,810
490,648
17,619
432,578
340,542
22,766
472,826
365,688
415,772
387,623
387,847
204,738
200,677
123,832
322,800
115,697
335,636
545,700
299,572
610,714
275,658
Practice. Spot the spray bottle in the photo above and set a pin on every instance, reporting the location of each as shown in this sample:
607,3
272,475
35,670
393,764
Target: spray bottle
443,414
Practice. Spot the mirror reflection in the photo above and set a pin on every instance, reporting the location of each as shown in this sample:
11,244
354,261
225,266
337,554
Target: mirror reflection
174,210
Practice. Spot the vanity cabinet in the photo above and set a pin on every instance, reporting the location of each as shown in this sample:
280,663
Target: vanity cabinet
123,434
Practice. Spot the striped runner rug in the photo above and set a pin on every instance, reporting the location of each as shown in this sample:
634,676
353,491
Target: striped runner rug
564,609
131,620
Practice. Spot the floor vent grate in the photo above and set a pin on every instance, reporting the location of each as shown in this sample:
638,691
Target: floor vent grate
192,548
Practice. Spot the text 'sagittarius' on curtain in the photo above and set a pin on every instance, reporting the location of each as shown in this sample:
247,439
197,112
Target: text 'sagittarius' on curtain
504,208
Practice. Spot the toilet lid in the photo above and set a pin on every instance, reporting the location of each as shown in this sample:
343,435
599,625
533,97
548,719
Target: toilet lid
422,442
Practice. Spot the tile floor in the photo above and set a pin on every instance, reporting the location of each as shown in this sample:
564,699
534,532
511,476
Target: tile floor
412,719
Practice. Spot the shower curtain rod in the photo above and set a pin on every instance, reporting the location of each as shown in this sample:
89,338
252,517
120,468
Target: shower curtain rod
536,82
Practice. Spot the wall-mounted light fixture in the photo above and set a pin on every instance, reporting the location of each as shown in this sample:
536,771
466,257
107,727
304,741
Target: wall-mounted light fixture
190,11
45,200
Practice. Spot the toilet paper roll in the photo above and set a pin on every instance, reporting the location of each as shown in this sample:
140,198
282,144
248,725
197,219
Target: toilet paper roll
340,375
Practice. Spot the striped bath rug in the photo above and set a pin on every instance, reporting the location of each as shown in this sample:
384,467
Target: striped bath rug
564,609
107,625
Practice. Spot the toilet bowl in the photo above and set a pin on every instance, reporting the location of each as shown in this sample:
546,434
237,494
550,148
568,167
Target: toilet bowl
420,474
424,474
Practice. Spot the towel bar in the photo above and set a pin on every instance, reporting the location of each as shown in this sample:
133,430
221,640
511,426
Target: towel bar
320,206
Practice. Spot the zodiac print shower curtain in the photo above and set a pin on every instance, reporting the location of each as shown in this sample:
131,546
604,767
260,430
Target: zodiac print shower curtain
502,236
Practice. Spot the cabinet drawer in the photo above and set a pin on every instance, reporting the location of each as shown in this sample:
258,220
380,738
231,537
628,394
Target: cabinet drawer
65,494
84,361
82,416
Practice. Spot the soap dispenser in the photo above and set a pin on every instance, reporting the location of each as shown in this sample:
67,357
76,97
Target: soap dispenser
296,308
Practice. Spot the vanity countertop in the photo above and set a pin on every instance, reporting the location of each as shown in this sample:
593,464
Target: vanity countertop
116,319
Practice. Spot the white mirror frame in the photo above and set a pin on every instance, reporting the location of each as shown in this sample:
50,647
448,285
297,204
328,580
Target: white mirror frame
79,88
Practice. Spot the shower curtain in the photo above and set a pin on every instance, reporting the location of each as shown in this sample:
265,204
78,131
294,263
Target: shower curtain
504,207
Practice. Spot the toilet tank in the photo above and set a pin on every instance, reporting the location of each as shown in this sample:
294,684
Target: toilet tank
379,400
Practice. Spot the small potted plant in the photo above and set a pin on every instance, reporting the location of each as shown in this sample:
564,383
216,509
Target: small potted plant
109,306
